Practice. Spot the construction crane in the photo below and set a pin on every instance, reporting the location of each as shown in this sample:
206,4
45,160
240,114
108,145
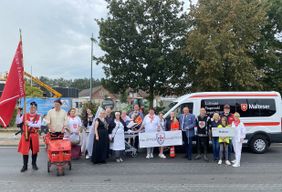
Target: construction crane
56,94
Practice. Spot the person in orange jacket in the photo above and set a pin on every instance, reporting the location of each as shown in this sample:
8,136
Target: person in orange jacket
172,124
30,137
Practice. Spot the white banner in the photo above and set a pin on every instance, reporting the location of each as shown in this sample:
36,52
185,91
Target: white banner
160,139
223,132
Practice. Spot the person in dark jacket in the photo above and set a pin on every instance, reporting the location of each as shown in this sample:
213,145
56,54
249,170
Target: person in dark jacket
187,124
101,141
203,124
111,125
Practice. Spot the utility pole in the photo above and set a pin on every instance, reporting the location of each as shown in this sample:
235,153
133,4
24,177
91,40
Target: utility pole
91,76
31,74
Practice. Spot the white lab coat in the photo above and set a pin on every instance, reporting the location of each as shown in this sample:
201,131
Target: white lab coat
118,134
240,132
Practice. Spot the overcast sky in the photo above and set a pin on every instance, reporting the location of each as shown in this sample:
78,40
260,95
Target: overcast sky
56,36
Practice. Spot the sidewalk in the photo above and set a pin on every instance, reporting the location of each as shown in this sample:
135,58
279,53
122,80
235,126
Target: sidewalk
8,137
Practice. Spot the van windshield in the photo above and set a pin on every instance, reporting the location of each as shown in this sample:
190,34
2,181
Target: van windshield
168,107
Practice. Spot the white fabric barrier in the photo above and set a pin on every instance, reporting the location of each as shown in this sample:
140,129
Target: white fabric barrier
223,132
160,139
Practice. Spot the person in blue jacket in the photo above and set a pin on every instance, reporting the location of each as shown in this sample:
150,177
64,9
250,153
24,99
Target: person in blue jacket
187,124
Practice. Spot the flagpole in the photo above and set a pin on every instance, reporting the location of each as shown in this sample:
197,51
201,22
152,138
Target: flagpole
24,111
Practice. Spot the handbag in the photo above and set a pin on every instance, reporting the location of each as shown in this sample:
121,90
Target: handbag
74,138
112,139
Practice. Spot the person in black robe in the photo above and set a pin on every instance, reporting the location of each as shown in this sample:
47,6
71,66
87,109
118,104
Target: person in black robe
101,140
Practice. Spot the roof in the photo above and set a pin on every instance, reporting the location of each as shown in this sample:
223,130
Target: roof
229,94
86,92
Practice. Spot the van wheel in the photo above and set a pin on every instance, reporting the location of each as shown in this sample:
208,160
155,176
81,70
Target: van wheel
259,144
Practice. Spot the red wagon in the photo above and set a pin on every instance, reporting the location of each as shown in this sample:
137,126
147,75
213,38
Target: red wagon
59,153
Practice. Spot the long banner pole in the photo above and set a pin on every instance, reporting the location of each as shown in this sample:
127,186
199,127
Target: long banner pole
24,110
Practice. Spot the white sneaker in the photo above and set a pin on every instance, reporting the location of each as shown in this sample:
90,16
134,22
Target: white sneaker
233,161
219,162
121,160
227,162
151,156
87,157
162,156
148,156
118,160
236,165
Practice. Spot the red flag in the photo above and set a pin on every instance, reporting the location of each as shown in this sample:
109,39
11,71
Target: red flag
14,88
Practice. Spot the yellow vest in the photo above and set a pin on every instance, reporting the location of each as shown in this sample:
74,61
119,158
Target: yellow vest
223,139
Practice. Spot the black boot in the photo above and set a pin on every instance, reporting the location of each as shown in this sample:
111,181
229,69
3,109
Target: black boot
34,166
25,161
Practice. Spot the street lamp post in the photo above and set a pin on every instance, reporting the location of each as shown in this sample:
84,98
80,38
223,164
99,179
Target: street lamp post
92,42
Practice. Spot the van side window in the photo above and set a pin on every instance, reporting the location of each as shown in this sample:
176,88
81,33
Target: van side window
216,105
245,107
255,107
179,110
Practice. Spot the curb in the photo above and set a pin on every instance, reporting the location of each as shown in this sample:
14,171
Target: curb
6,130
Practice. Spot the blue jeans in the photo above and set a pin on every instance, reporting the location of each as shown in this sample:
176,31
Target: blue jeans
189,147
215,148
230,149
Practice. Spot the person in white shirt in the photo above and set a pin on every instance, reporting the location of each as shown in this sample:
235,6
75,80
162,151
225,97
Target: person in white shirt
74,123
151,123
57,118
73,129
238,139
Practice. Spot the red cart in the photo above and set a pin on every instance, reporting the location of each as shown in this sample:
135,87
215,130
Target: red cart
59,153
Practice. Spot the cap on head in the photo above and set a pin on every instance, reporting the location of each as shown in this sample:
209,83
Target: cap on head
58,101
33,104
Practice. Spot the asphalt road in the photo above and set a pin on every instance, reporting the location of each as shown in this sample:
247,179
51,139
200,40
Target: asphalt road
257,173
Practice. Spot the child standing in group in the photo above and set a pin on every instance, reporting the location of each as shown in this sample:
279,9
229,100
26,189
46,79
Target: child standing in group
223,143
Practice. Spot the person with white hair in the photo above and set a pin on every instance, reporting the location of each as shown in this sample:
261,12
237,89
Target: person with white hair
238,139
117,143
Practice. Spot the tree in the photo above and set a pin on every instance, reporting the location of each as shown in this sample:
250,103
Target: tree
220,42
89,105
142,41
75,83
32,91
268,52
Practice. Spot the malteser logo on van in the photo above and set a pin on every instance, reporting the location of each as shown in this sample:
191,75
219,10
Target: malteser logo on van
257,106
244,107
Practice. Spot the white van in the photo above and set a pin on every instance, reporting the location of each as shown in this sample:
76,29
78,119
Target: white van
261,112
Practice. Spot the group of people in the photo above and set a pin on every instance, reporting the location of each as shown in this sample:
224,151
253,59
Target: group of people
200,129
104,136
